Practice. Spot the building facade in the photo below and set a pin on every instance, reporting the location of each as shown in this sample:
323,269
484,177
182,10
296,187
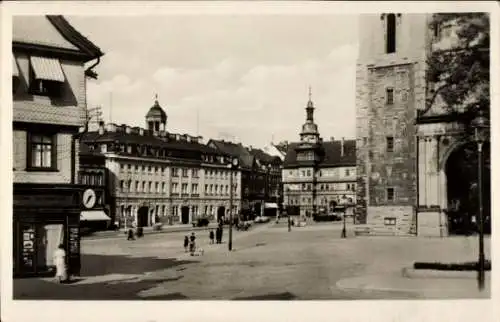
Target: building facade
260,187
49,101
318,175
405,147
161,177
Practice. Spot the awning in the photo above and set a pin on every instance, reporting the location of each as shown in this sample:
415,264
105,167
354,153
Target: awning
47,69
93,215
15,69
271,205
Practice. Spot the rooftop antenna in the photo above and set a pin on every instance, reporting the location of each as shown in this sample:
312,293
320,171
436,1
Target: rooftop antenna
197,121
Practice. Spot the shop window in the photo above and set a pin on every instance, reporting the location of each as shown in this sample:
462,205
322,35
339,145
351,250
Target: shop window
42,152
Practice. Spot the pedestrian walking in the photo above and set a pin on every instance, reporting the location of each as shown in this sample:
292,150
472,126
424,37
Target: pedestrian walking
217,235
192,243
59,257
186,243
211,236
130,234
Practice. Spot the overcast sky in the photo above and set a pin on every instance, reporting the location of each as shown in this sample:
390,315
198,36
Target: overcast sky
246,76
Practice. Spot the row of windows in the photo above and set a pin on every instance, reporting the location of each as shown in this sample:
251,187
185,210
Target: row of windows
321,201
138,186
175,210
219,189
326,187
308,173
176,172
93,179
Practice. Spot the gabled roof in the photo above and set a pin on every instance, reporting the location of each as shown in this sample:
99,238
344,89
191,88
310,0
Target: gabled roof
263,156
332,154
236,150
54,34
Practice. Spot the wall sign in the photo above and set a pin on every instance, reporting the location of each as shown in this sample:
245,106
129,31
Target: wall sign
28,246
74,240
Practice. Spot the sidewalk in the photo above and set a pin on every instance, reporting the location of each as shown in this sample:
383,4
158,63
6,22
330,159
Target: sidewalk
149,230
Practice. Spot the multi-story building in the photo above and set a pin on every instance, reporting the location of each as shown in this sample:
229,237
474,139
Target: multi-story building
317,174
260,178
156,176
49,102
93,176
407,149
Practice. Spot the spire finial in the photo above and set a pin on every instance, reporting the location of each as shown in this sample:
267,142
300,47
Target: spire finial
310,94
156,97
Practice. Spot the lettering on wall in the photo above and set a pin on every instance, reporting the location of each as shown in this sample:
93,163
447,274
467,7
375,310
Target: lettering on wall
28,250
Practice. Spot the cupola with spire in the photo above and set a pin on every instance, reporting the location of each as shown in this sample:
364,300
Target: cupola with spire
310,131
156,118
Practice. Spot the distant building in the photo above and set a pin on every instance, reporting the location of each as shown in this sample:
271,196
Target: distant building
161,177
317,174
49,102
260,187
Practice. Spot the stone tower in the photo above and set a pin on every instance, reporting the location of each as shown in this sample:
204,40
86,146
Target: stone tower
390,88
156,118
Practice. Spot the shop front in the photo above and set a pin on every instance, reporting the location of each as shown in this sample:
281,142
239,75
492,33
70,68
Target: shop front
45,216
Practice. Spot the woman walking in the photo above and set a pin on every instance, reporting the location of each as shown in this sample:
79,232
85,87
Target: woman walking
60,262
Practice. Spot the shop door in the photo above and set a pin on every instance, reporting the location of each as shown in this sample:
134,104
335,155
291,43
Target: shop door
48,238
142,216
185,215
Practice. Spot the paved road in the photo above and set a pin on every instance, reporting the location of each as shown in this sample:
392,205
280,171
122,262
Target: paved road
267,262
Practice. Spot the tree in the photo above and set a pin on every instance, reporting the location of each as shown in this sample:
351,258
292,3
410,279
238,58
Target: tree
459,74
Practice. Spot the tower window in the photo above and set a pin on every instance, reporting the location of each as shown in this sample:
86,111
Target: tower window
389,96
390,143
391,33
390,194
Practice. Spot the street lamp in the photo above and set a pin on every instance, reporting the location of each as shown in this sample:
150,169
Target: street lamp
344,232
234,165
480,125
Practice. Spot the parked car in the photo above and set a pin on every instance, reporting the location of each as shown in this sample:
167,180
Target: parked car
243,225
261,219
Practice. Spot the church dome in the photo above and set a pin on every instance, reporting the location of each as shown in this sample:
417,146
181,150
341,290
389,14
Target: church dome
157,112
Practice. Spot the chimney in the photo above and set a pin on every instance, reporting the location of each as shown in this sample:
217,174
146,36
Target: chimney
128,129
332,138
111,127
101,128
141,131
342,147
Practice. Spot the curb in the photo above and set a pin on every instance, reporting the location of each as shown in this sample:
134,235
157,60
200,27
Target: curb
412,273
119,234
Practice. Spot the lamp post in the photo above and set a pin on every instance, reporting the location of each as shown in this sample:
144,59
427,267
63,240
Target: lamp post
234,165
480,125
344,232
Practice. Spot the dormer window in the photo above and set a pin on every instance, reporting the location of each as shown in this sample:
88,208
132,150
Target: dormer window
46,76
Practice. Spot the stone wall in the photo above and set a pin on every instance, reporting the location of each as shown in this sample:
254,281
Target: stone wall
398,220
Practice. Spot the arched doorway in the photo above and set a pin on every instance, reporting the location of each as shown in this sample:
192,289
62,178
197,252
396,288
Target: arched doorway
462,189
142,216
221,211
185,214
